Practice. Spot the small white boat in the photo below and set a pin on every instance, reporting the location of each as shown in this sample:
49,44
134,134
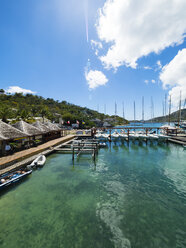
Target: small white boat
38,162
115,136
133,135
123,136
102,144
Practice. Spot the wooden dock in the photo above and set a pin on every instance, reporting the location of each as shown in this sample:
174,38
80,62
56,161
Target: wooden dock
18,159
80,147
180,140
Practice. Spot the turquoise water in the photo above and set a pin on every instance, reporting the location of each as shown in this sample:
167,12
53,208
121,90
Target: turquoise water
135,196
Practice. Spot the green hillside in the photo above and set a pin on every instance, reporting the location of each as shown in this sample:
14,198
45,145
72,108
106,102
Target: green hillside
26,107
173,117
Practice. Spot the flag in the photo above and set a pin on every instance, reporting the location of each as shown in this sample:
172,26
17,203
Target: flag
83,122
77,121
68,122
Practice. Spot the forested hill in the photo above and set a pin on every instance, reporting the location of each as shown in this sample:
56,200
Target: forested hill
173,117
26,107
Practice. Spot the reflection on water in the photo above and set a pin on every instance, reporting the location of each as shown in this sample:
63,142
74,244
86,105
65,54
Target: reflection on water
134,195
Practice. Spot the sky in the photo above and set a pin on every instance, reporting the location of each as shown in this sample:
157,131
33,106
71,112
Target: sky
96,53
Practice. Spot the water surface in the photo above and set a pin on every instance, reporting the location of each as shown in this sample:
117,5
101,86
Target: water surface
135,196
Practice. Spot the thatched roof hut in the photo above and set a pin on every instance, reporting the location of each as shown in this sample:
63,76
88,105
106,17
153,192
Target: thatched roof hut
8,132
43,128
2,137
27,128
52,126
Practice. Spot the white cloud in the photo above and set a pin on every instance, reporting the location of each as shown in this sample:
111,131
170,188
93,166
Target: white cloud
173,77
153,81
95,79
96,45
146,81
17,89
158,63
134,29
147,67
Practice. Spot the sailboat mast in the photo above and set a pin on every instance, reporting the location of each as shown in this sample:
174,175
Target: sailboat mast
123,111
115,109
169,108
134,111
180,108
165,107
143,108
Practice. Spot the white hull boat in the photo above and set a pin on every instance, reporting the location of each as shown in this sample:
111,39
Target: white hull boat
115,136
123,136
38,162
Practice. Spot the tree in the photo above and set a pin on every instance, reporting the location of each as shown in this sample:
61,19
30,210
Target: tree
5,112
44,112
2,91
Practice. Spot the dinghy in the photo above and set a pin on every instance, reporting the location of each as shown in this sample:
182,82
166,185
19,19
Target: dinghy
38,162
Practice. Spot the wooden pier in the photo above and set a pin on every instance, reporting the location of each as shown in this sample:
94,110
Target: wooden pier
180,139
80,147
21,158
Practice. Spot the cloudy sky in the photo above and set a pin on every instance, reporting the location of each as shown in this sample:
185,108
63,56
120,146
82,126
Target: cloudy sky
94,52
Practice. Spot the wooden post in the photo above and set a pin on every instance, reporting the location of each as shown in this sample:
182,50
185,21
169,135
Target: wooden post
94,154
73,154
146,136
110,135
128,134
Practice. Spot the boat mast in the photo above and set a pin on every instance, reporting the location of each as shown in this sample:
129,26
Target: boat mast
105,109
165,110
115,109
123,111
169,108
180,108
143,108
179,111
134,111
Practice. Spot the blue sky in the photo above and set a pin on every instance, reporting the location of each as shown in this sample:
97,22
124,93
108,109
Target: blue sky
134,50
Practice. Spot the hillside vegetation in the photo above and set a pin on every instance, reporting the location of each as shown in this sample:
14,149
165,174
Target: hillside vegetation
26,107
173,117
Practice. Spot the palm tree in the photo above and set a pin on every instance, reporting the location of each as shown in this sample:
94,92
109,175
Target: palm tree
44,112
5,112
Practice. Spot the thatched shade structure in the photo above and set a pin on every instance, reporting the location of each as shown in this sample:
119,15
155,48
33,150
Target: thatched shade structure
43,128
30,130
53,127
2,137
8,132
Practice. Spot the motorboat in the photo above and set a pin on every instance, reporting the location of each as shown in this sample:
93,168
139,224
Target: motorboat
102,145
123,136
38,162
13,177
142,135
133,135
115,136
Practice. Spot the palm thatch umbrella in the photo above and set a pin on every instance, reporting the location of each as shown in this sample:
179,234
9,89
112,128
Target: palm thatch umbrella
30,130
2,137
43,128
53,127
9,132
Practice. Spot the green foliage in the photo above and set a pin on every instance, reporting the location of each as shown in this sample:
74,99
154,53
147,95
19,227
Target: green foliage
26,107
